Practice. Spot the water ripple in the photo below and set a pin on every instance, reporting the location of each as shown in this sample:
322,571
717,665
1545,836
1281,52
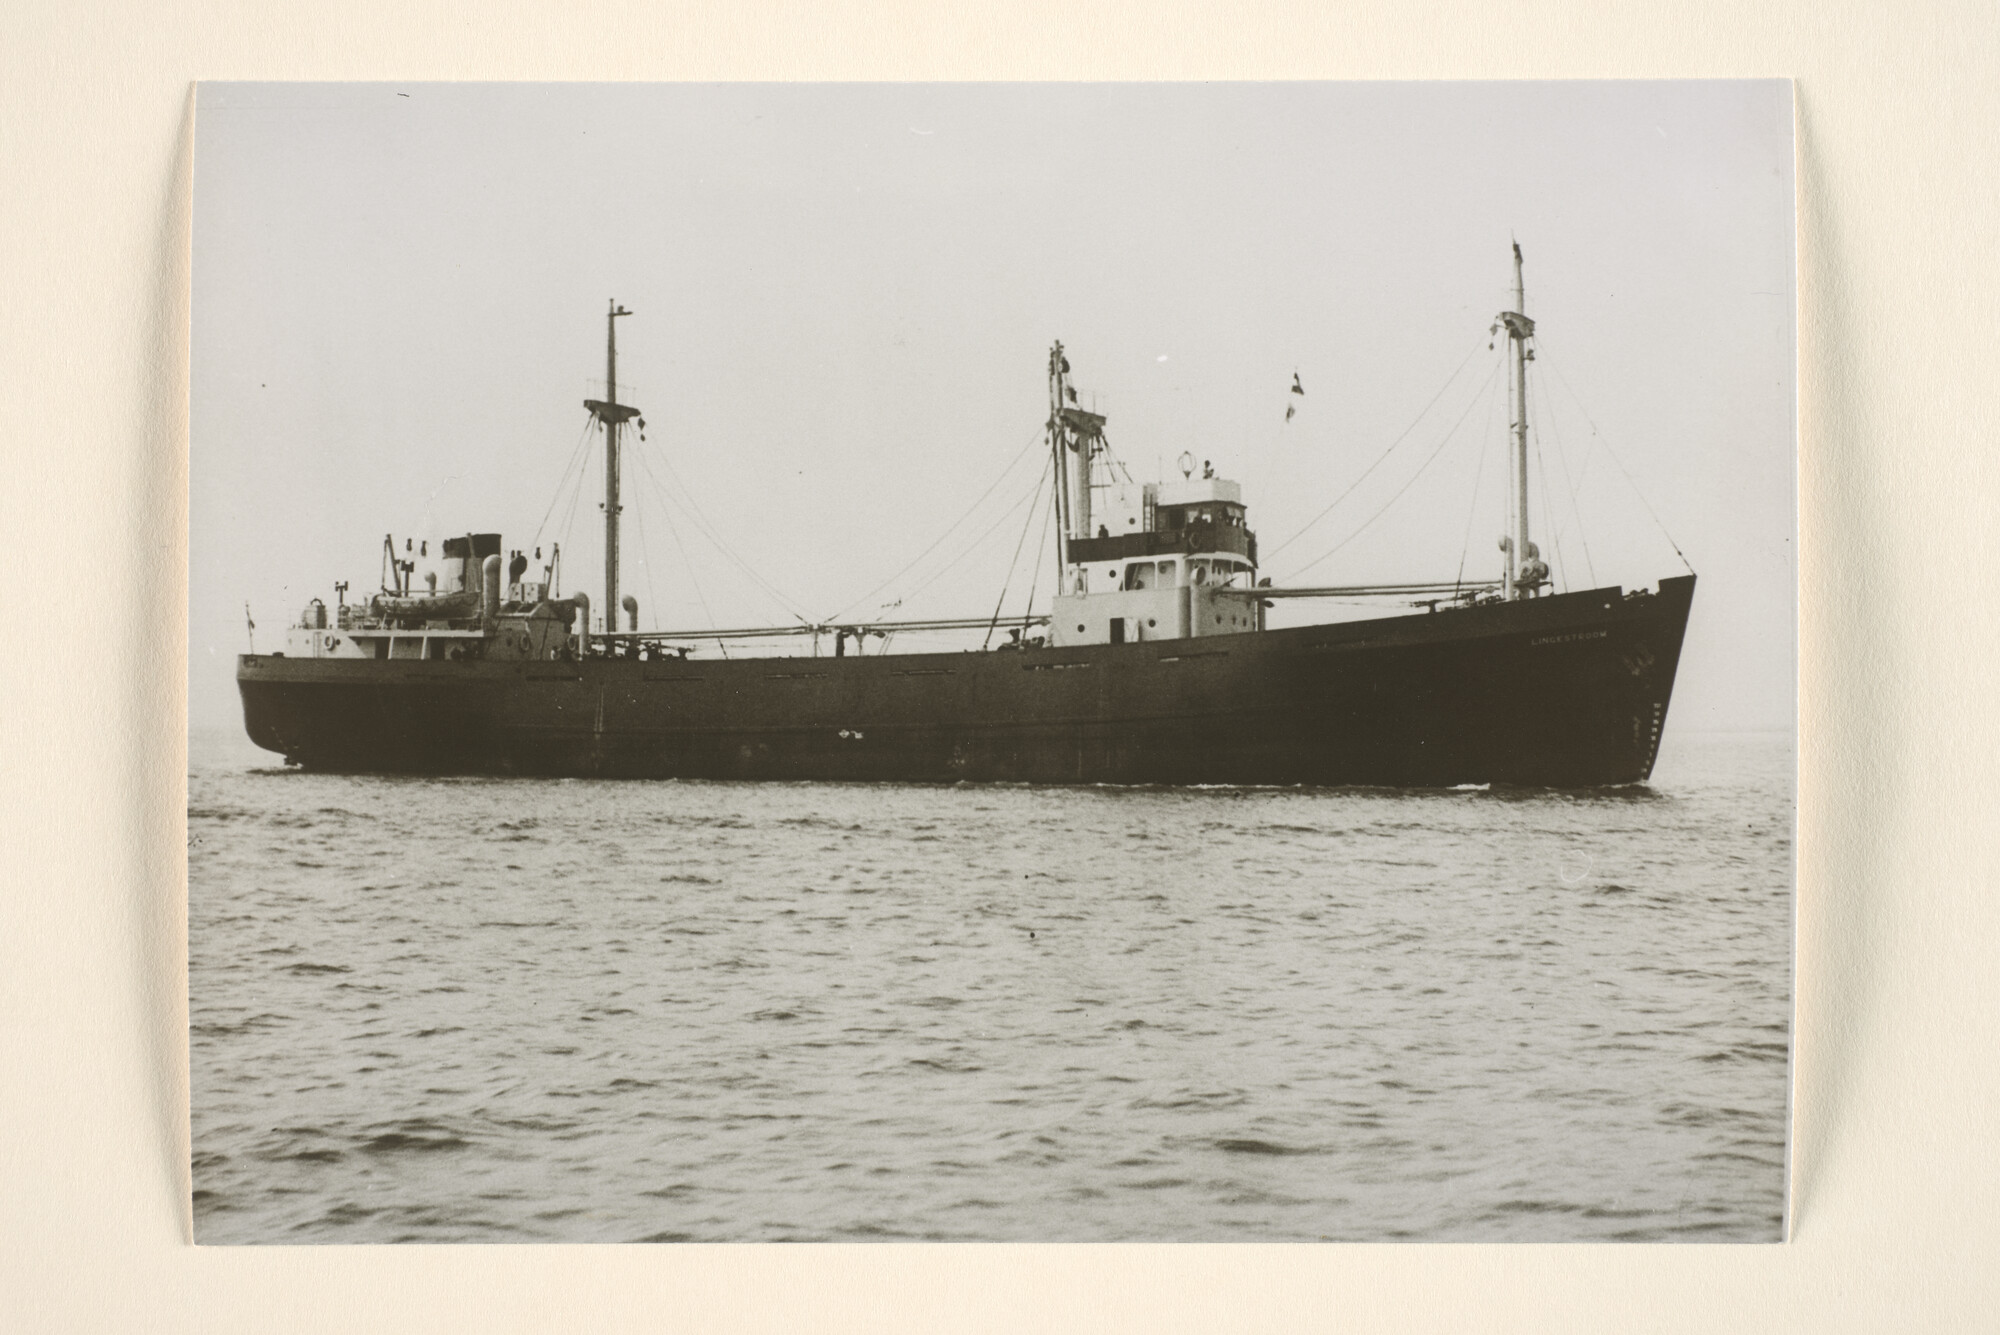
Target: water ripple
491,1010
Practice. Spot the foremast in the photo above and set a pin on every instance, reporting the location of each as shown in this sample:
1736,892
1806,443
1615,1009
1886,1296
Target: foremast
1525,571
610,415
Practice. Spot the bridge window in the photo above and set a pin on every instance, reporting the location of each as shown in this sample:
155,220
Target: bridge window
1168,574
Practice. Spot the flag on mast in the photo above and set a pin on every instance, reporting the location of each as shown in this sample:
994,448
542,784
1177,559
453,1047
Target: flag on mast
1297,388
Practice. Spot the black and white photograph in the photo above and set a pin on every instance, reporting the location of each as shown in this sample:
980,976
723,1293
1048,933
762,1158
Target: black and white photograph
995,662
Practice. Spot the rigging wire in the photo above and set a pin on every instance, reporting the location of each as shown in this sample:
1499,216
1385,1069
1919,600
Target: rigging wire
1383,457
1011,465
1407,485
1598,436
669,504
690,507
673,531
579,450
694,511
1562,460
974,545
1035,576
1258,458
675,498
1014,564
1116,462
1555,528
682,499
646,560
575,497
1478,474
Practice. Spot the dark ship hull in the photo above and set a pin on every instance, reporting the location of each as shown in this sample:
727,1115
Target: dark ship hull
1568,690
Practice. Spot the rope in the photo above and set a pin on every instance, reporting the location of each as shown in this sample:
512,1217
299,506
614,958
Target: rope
914,561
1562,459
666,504
1555,529
576,452
646,560
1008,583
686,501
973,546
1258,457
1478,475
575,496
1035,579
673,532
1599,437
1407,485
1380,460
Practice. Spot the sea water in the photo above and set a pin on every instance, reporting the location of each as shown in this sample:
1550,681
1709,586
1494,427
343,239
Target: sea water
501,1010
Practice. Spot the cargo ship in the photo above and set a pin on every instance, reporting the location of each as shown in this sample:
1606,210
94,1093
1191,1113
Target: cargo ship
1151,665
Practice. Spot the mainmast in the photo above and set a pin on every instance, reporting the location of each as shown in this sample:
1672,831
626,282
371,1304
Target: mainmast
1525,570
1058,384
611,414
1071,431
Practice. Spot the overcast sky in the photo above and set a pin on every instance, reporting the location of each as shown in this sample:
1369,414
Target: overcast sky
843,297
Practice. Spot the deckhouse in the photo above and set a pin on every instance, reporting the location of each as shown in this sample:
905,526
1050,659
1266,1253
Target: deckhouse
463,617
1143,561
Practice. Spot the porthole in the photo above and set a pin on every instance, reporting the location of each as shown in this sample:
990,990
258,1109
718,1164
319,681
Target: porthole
1151,622
1079,628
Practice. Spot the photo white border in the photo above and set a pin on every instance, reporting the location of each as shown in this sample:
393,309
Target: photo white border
1897,1074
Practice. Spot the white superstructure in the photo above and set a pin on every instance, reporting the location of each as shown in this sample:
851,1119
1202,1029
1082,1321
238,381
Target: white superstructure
1142,561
